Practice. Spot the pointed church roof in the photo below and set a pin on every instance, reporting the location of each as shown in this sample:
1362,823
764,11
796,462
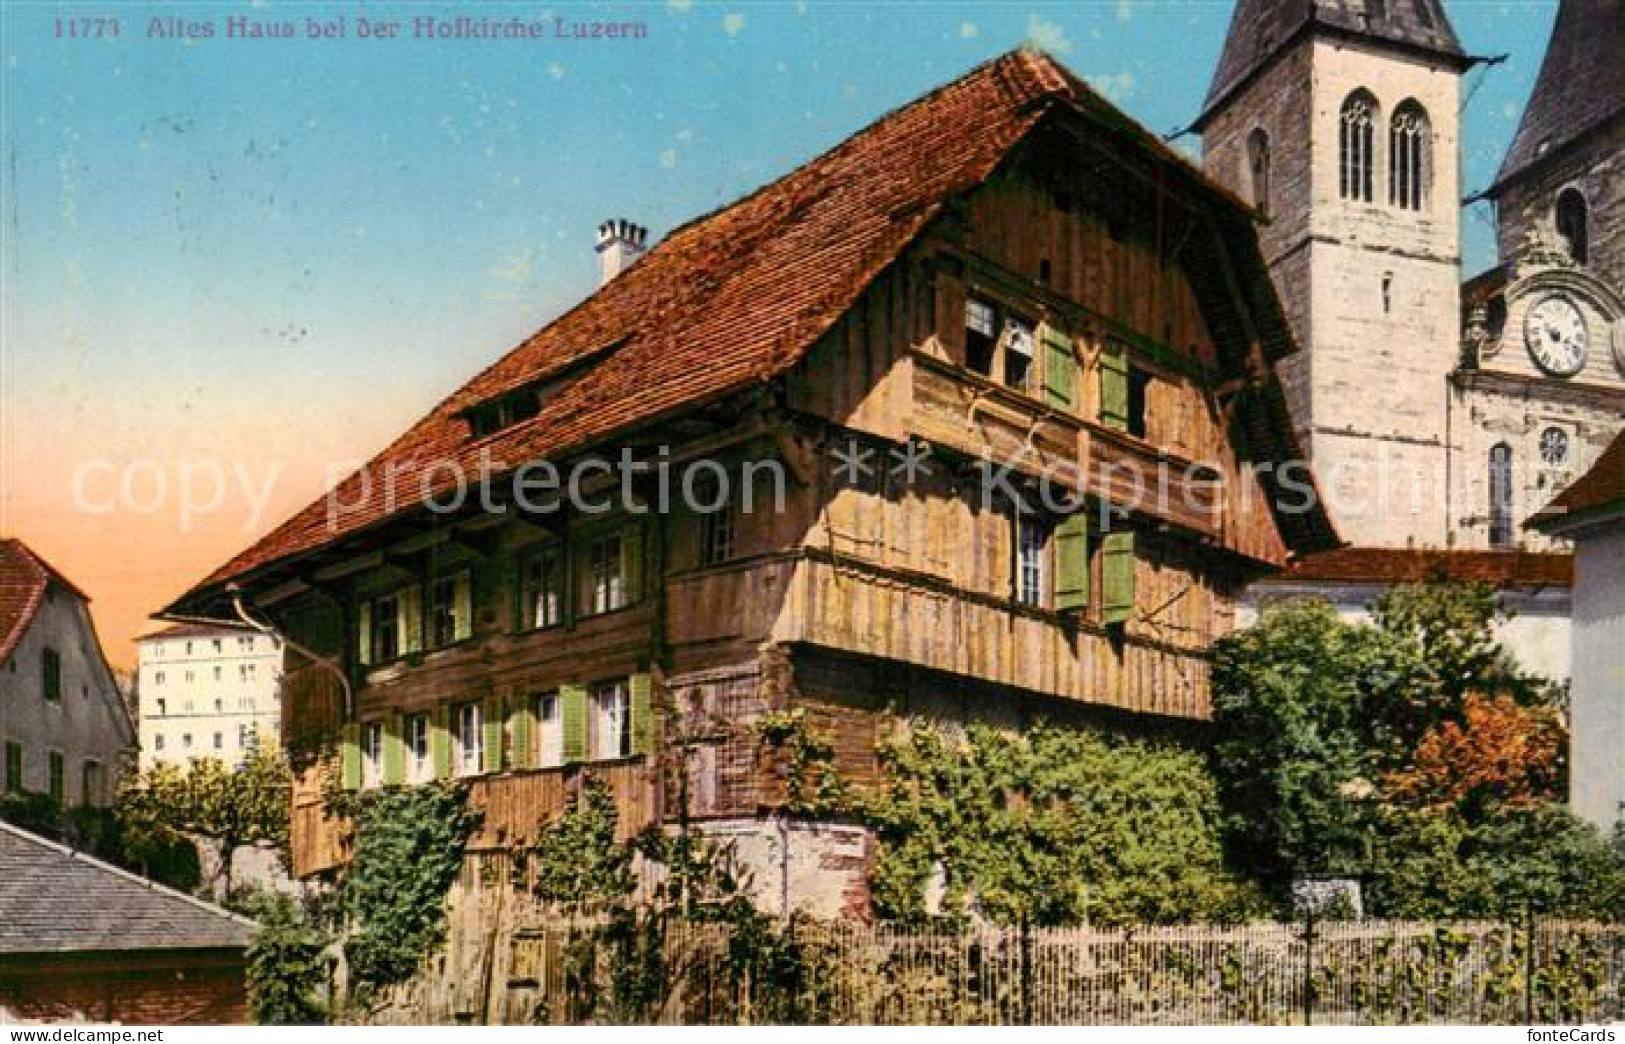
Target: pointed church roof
1581,84
1260,29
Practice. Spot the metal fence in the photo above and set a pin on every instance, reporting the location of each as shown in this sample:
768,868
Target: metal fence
1360,973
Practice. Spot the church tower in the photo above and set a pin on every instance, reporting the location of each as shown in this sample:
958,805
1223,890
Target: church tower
1338,119
1563,179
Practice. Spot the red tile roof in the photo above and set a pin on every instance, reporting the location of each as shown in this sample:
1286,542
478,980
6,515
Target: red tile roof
1600,488
24,576
1382,565
735,298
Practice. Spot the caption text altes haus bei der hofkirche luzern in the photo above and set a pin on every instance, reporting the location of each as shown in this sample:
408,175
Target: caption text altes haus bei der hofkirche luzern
424,27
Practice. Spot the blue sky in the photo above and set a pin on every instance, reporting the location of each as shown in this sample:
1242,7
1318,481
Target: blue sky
291,249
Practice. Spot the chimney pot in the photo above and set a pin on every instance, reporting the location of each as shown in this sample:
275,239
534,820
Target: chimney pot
620,243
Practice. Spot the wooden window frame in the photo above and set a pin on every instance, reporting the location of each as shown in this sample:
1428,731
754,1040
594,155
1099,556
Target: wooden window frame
559,573
459,610
463,753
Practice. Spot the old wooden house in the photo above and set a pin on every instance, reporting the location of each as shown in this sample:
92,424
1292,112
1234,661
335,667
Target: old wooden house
889,361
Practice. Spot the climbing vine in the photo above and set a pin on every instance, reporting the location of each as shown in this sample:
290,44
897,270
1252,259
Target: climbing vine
1053,826
408,850
813,786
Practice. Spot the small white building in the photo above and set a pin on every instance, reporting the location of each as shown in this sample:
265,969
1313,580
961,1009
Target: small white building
64,729
1591,513
1532,587
207,692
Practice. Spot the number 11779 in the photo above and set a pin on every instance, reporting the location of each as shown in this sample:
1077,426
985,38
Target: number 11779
86,28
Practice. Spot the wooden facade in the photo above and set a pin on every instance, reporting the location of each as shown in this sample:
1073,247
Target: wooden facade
1089,581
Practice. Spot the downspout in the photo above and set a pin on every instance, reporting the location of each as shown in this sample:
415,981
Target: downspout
329,664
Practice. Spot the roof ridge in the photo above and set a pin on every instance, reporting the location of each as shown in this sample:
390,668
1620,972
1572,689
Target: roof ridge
146,882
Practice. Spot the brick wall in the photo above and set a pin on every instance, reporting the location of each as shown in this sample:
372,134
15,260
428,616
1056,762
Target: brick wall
163,989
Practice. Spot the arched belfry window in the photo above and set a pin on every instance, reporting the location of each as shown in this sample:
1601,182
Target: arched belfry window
1408,159
1356,152
1570,218
1258,168
1501,495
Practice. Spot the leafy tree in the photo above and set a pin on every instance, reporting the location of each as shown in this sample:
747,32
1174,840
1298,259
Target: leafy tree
1411,752
1449,630
1293,701
232,807
1500,753
287,967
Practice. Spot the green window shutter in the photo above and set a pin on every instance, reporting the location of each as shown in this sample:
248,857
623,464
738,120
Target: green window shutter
1117,576
440,743
1072,563
363,632
462,607
573,711
632,563
492,716
350,757
642,714
1114,386
394,751
1059,369
411,618
522,720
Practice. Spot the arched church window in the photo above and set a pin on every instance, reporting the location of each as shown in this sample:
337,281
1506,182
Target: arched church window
1355,152
1501,495
1570,219
1258,165
1408,140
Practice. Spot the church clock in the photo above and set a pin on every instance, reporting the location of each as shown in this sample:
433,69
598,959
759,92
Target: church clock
1555,333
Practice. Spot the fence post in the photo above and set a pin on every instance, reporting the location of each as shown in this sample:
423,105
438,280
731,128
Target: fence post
1309,964
1026,971
1529,963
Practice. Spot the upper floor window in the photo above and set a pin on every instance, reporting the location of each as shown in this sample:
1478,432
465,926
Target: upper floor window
218,671
247,672
468,734
418,752
14,768
158,678
1032,547
717,527
612,572
372,753
1356,156
218,646
612,721
1258,168
391,626
541,593
1019,350
1501,496
1569,217
51,674
245,645
981,335
450,610
549,731
1408,159
188,648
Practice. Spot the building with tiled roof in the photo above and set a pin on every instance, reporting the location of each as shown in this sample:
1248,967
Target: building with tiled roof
81,940
64,728
206,691
1591,514
973,416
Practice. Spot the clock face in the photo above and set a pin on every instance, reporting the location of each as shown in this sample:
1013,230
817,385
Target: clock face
1555,332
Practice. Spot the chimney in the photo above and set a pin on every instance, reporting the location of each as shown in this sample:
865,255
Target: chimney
619,244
